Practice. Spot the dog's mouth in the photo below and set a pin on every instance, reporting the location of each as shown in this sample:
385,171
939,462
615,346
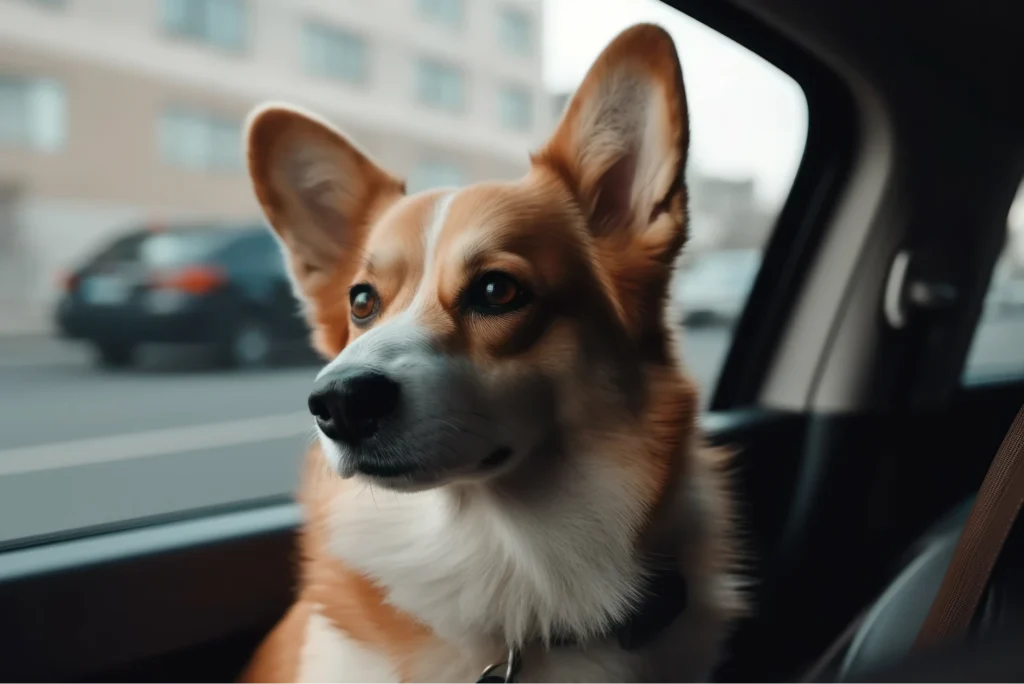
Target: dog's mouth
385,469
403,473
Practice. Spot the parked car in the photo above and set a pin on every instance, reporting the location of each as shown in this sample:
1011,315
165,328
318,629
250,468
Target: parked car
715,288
223,286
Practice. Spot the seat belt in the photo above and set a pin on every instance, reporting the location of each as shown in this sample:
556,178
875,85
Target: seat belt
995,509
993,514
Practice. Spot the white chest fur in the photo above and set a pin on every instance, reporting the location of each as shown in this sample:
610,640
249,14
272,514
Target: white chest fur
478,570
475,568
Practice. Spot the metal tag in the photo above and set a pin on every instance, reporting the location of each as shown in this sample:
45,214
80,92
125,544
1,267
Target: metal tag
494,675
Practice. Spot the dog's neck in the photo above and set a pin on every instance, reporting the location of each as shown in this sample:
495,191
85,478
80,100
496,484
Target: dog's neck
481,568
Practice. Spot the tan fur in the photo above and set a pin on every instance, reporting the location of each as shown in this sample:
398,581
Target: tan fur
277,659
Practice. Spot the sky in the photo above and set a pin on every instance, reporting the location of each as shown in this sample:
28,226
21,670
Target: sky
748,119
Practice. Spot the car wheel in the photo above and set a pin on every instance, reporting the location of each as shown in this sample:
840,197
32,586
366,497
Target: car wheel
248,344
115,355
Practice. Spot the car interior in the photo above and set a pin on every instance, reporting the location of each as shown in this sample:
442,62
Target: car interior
860,440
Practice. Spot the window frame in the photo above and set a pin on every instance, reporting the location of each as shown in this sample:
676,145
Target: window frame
832,138
178,550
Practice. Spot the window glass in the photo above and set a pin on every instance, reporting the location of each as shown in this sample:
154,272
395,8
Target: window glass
217,22
257,252
439,85
997,351
94,153
515,31
199,141
33,113
122,250
334,53
442,11
515,105
180,247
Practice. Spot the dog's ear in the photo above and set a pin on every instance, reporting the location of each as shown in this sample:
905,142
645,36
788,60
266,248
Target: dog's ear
320,194
622,142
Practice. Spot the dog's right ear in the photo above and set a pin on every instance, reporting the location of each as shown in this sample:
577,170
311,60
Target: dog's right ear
320,194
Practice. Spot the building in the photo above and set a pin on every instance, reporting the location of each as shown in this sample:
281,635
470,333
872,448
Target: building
559,101
725,214
116,112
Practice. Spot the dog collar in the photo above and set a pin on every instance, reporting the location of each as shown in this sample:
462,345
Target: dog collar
665,596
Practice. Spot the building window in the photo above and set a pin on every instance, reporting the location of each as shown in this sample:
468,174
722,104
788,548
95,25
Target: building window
442,11
515,31
215,22
439,85
33,113
434,174
515,106
334,53
199,141
558,104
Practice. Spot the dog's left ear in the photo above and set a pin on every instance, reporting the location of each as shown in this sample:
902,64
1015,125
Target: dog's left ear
622,142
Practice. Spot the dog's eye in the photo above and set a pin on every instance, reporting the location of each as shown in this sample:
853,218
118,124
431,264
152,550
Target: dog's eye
495,292
364,302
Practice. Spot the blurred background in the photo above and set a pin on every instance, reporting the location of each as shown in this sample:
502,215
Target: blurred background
142,302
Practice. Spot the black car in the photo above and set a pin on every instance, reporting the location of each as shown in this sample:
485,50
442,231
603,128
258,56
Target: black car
223,286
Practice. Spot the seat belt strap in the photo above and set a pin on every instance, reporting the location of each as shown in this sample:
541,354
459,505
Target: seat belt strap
988,524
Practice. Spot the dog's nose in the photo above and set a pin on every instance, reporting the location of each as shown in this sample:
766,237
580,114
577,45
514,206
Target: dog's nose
350,406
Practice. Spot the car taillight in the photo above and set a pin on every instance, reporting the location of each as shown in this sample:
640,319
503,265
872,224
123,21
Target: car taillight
194,280
69,282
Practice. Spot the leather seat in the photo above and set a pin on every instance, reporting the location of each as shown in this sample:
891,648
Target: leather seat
891,624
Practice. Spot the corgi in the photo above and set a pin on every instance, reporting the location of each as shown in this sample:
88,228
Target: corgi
507,482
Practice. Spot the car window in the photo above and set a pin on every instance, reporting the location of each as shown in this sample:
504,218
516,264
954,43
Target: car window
124,401
256,251
159,249
177,248
121,250
997,350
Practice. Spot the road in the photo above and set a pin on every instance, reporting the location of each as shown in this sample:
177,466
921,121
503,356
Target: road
57,409
50,391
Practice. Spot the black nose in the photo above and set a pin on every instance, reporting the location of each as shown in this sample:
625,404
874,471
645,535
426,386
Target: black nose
350,406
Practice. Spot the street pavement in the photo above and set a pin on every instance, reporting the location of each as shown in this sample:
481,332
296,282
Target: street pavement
50,391
58,409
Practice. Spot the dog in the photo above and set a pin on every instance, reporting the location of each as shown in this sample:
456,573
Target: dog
507,473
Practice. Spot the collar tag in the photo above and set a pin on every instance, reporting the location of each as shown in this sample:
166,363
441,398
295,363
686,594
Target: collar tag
494,674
